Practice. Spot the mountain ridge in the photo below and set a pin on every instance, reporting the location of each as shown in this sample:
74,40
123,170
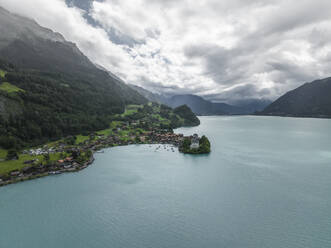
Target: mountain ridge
201,106
49,89
308,100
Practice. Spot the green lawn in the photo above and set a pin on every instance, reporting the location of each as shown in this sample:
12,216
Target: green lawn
81,139
8,87
2,73
105,132
56,156
109,131
3,154
8,166
157,116
53,143
131,109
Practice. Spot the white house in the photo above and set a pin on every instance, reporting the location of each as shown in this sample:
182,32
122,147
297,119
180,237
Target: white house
194,142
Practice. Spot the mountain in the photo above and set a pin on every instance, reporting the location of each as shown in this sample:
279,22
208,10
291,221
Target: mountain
186,113
201,106
153,97
309,100
31,47
49,88
252,105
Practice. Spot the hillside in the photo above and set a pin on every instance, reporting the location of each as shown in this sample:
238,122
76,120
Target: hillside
309,100
153,97
151,123
36,106
49,88
31,47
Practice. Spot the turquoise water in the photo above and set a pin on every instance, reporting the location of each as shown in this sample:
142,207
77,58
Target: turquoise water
266,183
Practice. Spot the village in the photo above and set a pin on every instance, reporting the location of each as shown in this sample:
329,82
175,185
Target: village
139,124
74,157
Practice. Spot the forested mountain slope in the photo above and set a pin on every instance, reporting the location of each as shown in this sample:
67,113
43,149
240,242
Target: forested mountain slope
49,88
309,100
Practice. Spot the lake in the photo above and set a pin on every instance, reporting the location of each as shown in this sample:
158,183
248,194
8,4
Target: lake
267,183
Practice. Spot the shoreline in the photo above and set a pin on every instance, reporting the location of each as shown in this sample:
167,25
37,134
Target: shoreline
45,174
44,171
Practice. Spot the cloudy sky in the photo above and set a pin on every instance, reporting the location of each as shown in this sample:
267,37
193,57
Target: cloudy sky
222,50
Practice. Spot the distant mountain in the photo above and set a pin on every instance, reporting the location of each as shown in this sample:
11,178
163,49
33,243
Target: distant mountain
153,97
309,100
252,105
200,106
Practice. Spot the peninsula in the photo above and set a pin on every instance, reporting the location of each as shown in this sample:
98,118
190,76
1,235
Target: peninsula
139,124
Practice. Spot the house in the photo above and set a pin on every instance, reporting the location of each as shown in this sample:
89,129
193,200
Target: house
194,142
67,166
30,161
68,159
14,173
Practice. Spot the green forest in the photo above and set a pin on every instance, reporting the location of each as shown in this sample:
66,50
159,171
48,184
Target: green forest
36,106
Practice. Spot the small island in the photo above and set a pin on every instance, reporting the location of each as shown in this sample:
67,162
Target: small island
195,145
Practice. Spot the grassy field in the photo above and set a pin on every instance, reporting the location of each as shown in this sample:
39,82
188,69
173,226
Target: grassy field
81,139
109,131
105,132
131,109
3,153
7,166
10,88
12,165
2,73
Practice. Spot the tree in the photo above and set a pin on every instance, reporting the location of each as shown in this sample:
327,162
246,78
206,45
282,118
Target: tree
185,146
190,119
8,142
47,157
75,154
137,139
12,155
204,145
